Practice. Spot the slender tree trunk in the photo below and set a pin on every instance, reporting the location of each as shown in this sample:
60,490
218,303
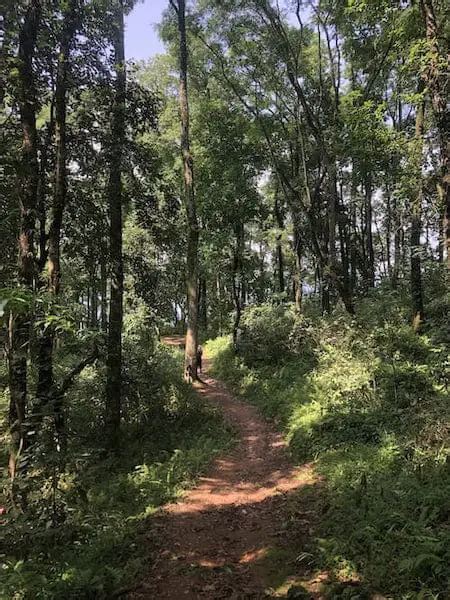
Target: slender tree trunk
324,265
103,291
298,255
436,79
94,302
279,247
19,326
45,382
416,220
189,199
59,199
331,214
343,228
324,293
203,304
370,266
442,225
397,220
114,357
388,232
397,244
353,237
343,243
260,289
219,302
237,283
7,33
280,265
42,189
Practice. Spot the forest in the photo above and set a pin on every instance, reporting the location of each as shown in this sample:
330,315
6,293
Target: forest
224,301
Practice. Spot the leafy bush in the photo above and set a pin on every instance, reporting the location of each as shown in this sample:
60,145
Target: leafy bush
271,333
80,537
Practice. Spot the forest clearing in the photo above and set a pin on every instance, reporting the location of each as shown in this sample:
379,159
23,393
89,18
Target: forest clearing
224,299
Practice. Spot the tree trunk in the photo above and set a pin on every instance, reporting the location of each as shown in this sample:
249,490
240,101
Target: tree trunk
416,225
324,294
189,199
46,343
114,357
94,302
103,292
388,232
397,244
42,190
442,225
28,176
324,266
436,79
279,247
219,302
331,214
370,265
343,228
203,304
237,279
298,250
353,238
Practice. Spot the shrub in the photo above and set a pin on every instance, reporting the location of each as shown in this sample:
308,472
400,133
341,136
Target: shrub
272,333
80,535
367,400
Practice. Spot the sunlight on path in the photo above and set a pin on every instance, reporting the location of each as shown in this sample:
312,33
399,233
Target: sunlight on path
214,539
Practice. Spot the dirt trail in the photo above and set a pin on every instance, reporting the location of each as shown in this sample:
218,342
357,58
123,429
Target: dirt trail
215,540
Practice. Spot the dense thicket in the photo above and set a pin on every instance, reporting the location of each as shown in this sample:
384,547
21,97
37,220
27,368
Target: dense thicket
319,134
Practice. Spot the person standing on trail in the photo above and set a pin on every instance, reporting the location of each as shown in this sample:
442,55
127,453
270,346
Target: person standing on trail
199,357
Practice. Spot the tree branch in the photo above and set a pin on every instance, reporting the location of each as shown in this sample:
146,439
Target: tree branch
173,5
68,380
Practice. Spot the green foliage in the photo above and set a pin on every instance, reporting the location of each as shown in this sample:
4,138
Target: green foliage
286,111
97,541
271,333
16,300
372,411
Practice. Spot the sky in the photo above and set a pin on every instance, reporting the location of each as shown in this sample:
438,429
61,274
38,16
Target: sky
141,38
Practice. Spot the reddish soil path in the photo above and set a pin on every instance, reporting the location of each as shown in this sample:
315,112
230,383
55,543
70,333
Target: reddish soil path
215,540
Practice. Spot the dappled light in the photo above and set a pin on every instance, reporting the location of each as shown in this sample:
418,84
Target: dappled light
382,472
234,514
224,300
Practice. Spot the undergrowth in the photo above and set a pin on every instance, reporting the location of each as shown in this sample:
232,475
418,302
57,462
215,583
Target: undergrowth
366,399
103,501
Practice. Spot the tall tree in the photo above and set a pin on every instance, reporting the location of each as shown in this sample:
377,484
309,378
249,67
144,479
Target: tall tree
416,214
436,77
189,198
114,358
70,18
27,196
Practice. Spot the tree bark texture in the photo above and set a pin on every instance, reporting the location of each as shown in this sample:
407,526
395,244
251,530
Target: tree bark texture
436,78
237,283
279,247
28,176
114,356
47,335
416,219
189,199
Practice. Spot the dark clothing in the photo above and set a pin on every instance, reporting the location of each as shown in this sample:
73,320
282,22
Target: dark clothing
199,358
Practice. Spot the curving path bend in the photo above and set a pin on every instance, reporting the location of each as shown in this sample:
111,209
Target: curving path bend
215,540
